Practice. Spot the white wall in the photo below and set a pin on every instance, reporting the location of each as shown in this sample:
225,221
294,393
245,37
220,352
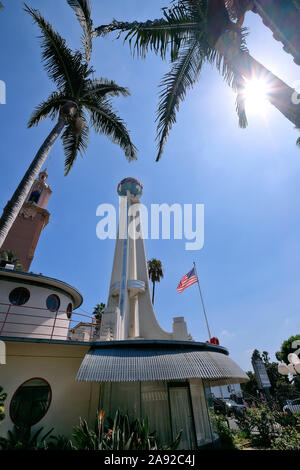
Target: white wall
58,365
20,318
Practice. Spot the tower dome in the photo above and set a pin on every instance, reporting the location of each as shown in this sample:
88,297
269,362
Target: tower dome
132,185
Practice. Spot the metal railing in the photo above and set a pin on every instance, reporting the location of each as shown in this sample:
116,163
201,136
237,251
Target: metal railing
29,321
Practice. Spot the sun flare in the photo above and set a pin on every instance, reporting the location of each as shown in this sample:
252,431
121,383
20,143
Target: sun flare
255,94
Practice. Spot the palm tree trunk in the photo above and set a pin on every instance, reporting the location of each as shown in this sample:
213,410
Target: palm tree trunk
14,206
153,290
280,94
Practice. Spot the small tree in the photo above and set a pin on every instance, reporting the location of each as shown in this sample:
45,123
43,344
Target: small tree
287,347
281,387
155,273
98,310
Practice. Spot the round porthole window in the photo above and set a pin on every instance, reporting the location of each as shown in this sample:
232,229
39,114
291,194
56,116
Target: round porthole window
19,296
30,402
53,303
69,310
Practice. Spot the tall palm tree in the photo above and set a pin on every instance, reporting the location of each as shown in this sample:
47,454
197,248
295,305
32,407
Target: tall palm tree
196,32
78,96
155,273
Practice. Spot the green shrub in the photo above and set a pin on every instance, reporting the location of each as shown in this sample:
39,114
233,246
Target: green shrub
269,428
23,439
287,418
289,439
245,423
226,435
263,426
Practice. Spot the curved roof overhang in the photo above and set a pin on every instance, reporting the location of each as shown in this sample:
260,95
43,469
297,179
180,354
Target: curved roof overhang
42,281
138,361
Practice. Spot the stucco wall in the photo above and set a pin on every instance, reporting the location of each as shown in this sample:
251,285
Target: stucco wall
58,365
21,318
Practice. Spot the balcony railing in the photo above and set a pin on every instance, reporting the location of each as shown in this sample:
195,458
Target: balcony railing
37,322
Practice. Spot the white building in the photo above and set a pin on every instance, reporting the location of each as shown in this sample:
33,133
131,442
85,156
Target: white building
133,365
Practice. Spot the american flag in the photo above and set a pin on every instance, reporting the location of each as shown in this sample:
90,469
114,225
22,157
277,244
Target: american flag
187,280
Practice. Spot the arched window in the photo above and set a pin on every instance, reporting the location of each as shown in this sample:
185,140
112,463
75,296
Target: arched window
53,303
30,402
34,197
69,310
19,296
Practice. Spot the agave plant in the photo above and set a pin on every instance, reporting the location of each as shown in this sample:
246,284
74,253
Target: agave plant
119,434
192,33
79,103
21,438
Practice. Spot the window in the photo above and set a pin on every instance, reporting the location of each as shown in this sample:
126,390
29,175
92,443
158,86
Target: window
34,197
69,310
19,296
30,402
53,303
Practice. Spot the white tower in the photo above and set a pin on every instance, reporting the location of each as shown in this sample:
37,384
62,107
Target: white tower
129,313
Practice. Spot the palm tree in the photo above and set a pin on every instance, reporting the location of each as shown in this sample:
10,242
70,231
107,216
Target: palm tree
155,273
78,96
9,256
98,311
196,32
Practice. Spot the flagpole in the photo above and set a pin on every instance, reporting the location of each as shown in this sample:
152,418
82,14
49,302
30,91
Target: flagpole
204,311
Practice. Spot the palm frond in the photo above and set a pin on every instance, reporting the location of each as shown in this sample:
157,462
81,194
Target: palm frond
82,10
49,108
175,84
103,87
196,8
105,121
63,66
1,5
228,72
237,8
74,144
159,36
241,110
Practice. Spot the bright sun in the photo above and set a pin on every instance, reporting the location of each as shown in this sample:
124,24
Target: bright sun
255,94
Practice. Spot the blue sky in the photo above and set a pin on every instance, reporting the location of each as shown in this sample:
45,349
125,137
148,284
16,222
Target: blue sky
248,180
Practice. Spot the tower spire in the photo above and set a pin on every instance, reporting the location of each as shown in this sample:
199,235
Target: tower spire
129,313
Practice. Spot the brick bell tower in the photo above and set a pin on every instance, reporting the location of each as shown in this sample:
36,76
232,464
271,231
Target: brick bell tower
33,217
